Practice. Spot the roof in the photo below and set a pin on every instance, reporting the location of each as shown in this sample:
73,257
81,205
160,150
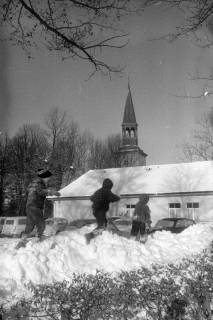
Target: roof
178,218
129,112
155,179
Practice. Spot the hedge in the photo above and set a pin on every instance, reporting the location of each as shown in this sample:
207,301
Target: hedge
169,292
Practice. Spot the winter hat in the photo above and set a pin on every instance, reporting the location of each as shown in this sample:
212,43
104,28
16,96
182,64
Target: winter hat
144,198
44,173
107,184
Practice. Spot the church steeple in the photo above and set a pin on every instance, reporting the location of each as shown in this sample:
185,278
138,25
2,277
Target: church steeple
129,152
129,112
129,124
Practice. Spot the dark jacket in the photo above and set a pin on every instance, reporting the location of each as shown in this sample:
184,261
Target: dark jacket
37,193
103,196
142,211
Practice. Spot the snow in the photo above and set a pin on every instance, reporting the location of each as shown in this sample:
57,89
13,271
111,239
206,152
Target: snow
155,179
57,258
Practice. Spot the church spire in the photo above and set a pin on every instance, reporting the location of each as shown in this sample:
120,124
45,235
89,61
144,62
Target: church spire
129,125
129,112
129,152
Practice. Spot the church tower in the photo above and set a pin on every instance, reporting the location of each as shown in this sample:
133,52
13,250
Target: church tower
129,153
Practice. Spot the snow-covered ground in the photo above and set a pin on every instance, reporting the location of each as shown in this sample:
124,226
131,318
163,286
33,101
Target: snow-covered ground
57,258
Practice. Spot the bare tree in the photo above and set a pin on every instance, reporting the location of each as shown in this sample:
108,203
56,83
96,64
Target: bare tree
200,146
67,151
104,153
26,154
197,26
83,152
56,122
113,143
98,153
4,163
75,28
197,14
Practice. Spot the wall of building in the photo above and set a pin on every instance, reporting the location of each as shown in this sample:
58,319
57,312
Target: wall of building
73,209
159,206
131,159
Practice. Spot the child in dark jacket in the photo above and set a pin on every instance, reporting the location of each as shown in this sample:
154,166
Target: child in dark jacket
37,192
141,218
101,200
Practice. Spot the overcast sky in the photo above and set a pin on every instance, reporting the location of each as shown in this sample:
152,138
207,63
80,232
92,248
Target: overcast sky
157,70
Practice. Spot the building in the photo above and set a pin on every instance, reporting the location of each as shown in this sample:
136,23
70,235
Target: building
182,189
130,153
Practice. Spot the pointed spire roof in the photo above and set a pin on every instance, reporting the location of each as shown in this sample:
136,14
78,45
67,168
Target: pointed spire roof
129,112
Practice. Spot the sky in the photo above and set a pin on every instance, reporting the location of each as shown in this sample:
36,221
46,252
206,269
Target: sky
57,258
157,72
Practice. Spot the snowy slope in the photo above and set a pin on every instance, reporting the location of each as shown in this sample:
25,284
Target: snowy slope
44,263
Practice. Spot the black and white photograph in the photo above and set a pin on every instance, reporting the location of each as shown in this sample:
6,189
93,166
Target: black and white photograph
106,160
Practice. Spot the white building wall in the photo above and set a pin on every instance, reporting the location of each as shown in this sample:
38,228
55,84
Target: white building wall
73,209
159,206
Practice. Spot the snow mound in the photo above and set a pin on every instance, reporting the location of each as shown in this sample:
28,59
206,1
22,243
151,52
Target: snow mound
57,258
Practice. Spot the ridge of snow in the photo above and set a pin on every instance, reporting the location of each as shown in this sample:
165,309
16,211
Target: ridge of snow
57,258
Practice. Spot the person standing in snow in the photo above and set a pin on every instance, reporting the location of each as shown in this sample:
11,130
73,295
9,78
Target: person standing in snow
101,200
141,222
37,192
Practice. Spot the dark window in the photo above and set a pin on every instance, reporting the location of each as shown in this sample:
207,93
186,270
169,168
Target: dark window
123,222
22,221
2,221
130,206
174,205
194,205
164,223
183,223
9,222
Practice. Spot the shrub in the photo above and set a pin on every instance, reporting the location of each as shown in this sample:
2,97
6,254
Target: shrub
169,292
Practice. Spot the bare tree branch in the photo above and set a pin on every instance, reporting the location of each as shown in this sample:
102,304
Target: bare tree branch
200,145
75,28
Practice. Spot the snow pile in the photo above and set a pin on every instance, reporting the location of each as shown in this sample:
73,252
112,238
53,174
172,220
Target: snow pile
57,258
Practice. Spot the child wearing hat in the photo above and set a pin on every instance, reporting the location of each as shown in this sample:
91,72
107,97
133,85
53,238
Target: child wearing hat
37,192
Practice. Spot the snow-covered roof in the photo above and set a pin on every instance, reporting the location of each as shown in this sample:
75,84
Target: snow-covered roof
155,179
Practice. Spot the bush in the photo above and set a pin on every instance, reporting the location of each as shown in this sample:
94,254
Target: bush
163,293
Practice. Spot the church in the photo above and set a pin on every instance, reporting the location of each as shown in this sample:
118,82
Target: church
130,153
175,190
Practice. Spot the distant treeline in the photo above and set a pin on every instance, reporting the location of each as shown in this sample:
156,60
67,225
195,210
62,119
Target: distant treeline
60,145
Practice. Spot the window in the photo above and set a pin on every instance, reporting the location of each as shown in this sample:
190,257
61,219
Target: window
127,133
22,221
192,205
193,210
164,224
132,133
9,222
123,222
174,209
183,223
129,206
130,209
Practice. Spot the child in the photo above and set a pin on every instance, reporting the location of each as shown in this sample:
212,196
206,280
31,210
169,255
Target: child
141,217
101,200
